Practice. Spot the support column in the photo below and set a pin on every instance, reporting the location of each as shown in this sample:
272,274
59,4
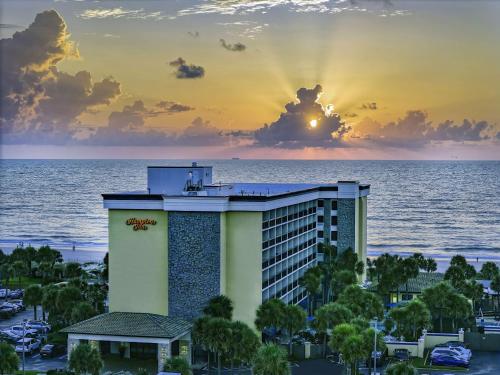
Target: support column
72,343
163,354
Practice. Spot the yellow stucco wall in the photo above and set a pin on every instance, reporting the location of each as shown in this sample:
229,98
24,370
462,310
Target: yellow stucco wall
138,276
223,253
361,232
244,263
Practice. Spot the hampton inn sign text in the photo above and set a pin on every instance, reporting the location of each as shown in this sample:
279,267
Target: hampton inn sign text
140,224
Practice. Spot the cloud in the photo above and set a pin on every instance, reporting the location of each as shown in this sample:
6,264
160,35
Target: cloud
171,107
236,47
128,128
194,34
246,29
415,130
201,133
293,129
120,12
245,7
350,114
185,71
40,103
372,106
9,26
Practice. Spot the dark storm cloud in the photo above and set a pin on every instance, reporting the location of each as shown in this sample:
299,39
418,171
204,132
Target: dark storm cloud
39,103
171,107
415,130
371,106
292,129
186,71
235,47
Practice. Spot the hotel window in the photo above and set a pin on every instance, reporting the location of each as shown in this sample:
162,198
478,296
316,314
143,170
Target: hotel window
321,219
334,205
333,236
321,203
334,220
320,234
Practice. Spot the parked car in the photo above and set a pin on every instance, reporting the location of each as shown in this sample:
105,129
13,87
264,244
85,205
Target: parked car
380,358
449,360
4,293
463,351
7,312
402,354
52,350
27,345
18,302
14,306
18,329
9,336
456,344
449,351
39,325
17,293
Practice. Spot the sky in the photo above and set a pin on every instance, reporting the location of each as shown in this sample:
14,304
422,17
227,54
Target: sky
304,79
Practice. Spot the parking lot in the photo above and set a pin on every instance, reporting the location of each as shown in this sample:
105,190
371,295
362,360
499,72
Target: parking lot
34,362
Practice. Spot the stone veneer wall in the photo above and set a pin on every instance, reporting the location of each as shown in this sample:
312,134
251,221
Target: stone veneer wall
346,224
193,262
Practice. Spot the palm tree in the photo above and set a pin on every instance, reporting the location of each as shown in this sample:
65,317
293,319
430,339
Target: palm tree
361,302
6,270
271,360
311,281
85,359
177,365
410,269
9,361
46,270
411,318
200,335
244,343
354,349
72,270
218,338
342,279
82,311
328,316
430,265
49,298
33,296
294,321
219,307
401,368
19,268
495,286
474,291
270,315
489,270
436,298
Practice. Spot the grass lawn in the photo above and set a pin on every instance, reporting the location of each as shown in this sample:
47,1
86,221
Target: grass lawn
25,282
421,364
28,372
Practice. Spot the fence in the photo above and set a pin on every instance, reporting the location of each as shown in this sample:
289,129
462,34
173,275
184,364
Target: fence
483,341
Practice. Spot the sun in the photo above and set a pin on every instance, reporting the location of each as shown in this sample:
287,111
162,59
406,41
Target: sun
313,123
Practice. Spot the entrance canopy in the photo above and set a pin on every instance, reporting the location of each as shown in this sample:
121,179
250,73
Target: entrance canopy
126,330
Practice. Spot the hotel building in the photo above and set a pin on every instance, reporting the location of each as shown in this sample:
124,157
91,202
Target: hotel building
187,239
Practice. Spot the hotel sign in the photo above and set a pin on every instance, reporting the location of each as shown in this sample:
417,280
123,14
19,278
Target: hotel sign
140,224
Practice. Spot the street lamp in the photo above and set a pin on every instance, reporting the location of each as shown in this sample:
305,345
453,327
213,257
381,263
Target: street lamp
375,348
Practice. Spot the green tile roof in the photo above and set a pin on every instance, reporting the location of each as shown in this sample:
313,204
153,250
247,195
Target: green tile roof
131,324
417,284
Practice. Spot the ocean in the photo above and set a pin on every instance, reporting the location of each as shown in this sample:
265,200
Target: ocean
439,208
